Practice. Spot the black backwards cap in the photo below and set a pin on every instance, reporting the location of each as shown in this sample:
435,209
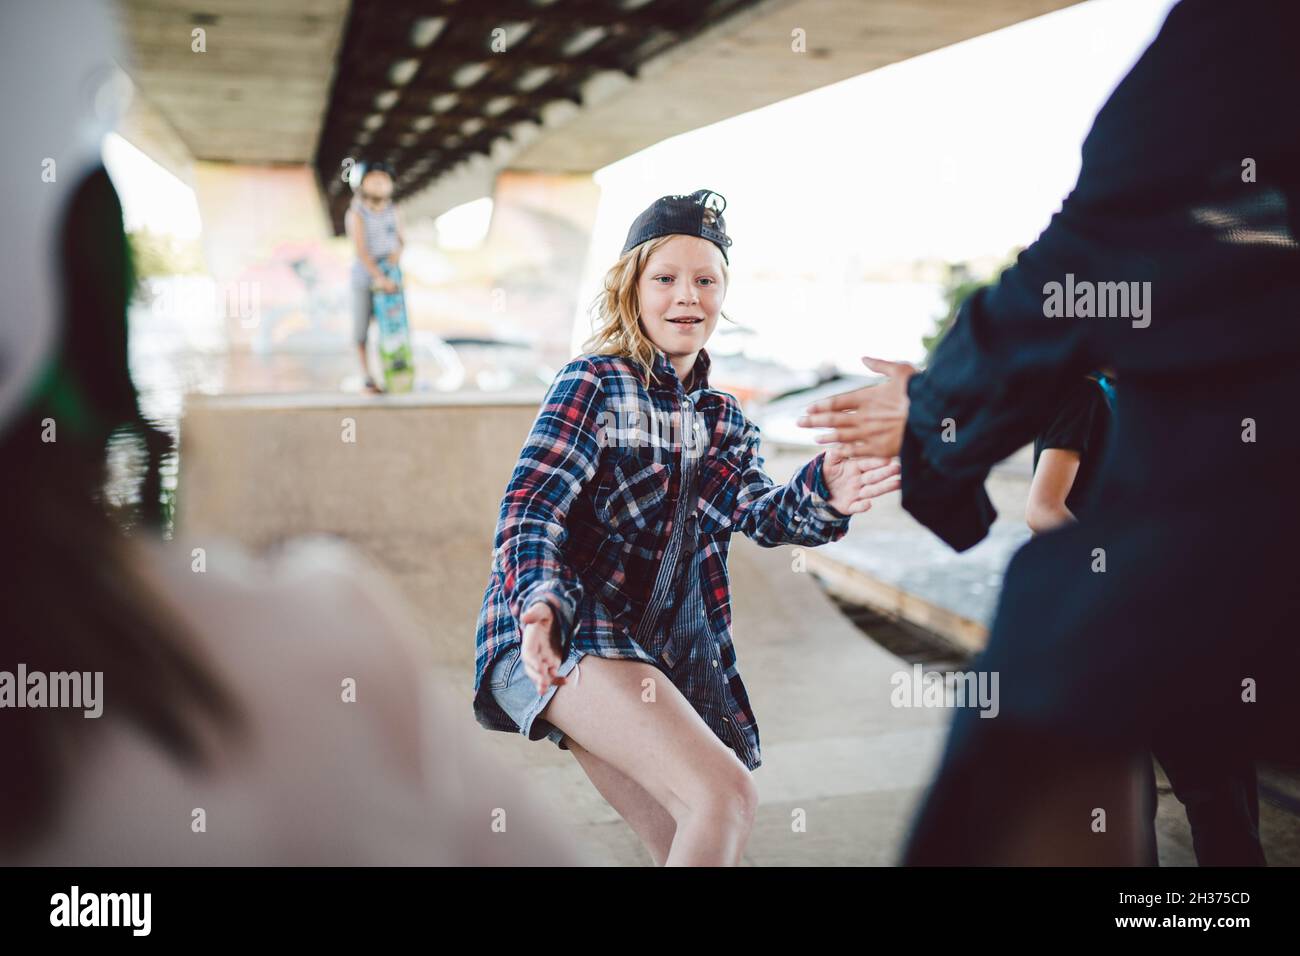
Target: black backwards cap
699,214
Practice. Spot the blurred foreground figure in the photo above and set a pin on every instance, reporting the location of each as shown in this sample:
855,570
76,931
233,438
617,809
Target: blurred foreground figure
250,712
1170,613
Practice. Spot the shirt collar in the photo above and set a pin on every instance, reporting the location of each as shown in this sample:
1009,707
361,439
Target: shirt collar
665,372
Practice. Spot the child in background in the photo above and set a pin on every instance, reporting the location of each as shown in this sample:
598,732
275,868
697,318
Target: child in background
371,222
612,543
1067,455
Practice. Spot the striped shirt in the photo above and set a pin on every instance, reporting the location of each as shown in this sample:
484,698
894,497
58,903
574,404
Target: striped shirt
593,520
381,236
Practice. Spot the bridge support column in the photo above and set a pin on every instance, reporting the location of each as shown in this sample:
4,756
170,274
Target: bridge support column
538,238
279,273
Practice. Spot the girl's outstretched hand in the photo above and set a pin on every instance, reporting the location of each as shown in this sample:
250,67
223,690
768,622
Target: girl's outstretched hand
853,482
541,647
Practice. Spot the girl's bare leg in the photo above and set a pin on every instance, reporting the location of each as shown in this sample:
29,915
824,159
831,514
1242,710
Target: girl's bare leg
644,814
666,749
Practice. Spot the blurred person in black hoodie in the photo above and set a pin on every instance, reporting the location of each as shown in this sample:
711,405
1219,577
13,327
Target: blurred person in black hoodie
1171,615
1217,788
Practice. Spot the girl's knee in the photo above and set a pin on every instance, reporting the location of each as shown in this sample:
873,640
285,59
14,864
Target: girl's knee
743,795
729,794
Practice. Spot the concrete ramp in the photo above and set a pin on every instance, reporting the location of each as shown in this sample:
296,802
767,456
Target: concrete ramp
415,484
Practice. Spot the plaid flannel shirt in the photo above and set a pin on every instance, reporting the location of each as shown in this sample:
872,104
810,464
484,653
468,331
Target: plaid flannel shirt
588,518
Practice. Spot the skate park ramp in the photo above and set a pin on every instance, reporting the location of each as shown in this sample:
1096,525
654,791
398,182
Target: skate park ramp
414,483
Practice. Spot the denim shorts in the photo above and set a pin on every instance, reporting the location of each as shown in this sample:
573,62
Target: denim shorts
516,694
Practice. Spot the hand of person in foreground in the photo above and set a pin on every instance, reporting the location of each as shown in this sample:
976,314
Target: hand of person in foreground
869,421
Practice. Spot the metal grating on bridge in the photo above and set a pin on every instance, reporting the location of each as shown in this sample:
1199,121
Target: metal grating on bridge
426,85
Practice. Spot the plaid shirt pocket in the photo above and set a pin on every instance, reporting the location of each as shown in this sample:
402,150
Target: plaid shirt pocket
632,497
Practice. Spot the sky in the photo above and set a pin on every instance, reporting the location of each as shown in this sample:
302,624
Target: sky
152,198
961,153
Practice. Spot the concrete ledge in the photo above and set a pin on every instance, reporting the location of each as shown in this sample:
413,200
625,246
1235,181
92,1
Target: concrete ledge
279,401
417,489
854,585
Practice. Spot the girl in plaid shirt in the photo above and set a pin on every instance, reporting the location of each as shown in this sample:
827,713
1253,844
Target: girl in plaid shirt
611,550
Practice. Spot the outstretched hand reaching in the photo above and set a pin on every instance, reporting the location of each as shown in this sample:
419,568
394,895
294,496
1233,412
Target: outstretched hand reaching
868,421
540,653
853,482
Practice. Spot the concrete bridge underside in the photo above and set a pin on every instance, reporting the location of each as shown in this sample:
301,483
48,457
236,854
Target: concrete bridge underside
262,90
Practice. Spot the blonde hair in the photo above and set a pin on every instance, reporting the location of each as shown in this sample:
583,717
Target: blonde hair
616,310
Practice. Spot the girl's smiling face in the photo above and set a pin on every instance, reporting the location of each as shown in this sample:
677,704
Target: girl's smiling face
680,293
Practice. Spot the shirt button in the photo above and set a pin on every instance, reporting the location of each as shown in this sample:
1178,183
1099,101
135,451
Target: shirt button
715,663
725,720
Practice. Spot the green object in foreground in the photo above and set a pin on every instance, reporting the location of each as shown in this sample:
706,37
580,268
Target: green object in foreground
394,332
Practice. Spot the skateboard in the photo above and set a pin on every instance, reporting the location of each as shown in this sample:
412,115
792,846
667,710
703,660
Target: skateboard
394,332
